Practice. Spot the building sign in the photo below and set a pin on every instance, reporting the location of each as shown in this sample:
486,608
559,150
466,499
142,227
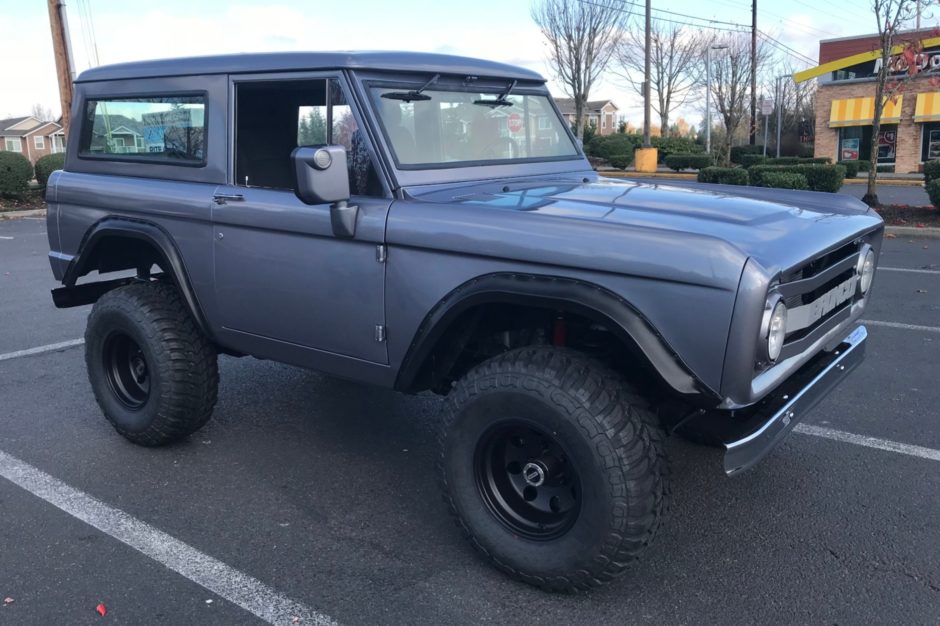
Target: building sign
926,61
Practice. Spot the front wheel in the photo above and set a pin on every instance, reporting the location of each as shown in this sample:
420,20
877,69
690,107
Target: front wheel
154,374
553,467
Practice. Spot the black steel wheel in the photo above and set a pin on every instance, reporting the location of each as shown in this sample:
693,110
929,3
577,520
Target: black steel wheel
154,374
126,369
527,480
553,467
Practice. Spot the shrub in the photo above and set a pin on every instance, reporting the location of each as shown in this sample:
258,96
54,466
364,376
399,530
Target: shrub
933,191
887,169
723,175
621,161
798,160
931,171
738,151
819,177
851,168
687,161
48,164
864,165
747,160
15,173
609,145
667,146
785,180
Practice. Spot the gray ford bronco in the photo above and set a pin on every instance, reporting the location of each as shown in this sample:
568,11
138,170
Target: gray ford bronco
427,222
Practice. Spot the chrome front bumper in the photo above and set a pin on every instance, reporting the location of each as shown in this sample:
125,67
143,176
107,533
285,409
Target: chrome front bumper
779,414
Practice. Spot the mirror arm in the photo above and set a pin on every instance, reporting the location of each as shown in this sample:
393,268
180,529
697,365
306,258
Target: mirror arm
343,218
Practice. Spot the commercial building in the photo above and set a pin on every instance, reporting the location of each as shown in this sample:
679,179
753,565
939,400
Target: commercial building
910,124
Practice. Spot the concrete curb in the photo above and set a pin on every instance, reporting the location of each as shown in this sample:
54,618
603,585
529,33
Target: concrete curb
12,215
912,231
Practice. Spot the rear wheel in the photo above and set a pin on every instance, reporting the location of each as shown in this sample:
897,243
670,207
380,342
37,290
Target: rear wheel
153,373
553,467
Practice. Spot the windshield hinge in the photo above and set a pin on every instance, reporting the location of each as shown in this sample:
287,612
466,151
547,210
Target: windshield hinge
381,253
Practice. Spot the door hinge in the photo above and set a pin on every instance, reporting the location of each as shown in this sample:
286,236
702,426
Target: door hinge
381,253
380,333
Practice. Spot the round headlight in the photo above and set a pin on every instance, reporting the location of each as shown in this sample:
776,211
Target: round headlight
774,326
866,269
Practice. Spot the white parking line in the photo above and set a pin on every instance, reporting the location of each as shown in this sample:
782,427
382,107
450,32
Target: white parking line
236,587
929,329
904,269
868,442
52,347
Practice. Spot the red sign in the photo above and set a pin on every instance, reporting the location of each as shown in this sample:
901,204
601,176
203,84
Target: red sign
514,123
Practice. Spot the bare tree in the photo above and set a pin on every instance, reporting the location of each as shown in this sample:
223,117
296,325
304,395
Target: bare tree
41,113
675,70
891,16
582,36
730,83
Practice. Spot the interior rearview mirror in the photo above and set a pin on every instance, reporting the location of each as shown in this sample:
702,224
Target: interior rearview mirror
320,177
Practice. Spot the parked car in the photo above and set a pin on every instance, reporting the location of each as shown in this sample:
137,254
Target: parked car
428,222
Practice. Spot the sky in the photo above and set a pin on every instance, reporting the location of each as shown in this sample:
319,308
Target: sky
498,30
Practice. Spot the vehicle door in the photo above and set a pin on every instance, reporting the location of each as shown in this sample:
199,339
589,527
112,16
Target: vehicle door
282,278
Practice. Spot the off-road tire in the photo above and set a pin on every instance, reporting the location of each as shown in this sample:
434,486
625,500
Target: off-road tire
181,365
612,438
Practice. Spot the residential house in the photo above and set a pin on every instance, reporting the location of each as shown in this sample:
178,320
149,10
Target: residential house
602,113
31,137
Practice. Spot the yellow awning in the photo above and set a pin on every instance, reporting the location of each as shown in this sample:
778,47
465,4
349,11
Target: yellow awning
927,108
861,112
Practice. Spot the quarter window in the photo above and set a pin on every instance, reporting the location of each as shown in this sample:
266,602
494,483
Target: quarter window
165,128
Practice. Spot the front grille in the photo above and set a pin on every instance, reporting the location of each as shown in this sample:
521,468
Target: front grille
816,292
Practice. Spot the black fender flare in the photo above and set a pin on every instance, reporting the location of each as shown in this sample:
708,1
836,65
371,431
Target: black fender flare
162,242
564,294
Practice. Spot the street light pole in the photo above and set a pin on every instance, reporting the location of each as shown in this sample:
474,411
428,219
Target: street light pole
779,94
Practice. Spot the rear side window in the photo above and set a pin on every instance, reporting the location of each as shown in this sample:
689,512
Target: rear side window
170,129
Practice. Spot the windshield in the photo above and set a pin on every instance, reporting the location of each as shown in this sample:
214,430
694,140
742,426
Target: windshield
437,128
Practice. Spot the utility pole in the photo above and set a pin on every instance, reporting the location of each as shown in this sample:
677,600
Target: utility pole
646,83
779,91
753,130
62,49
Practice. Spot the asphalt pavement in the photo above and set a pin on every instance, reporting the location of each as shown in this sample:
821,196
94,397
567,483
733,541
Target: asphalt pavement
323,492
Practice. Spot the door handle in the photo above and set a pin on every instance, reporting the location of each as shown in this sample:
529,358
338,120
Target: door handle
222,198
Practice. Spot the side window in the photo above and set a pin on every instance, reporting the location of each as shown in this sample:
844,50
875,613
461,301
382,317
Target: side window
163,128
274,117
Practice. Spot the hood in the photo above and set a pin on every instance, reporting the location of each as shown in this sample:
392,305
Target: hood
778,228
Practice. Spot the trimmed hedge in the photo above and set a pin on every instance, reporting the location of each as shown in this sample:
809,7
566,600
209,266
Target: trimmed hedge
798,160
819,177
851,168
748,160
931,171
15,173
621,161
785,180
933,191
609,145
687,161
738,151
723,175
48,164
668,146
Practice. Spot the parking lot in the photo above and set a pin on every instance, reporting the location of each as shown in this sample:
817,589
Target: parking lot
309,499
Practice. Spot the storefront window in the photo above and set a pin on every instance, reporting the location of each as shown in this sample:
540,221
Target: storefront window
855,143
931,142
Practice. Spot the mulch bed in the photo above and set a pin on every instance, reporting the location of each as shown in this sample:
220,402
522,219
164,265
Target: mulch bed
906,215
29,200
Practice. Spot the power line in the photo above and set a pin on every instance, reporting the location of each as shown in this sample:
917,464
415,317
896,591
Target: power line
786,48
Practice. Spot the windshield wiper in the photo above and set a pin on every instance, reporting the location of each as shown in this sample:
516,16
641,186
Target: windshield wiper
500,100
414,94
